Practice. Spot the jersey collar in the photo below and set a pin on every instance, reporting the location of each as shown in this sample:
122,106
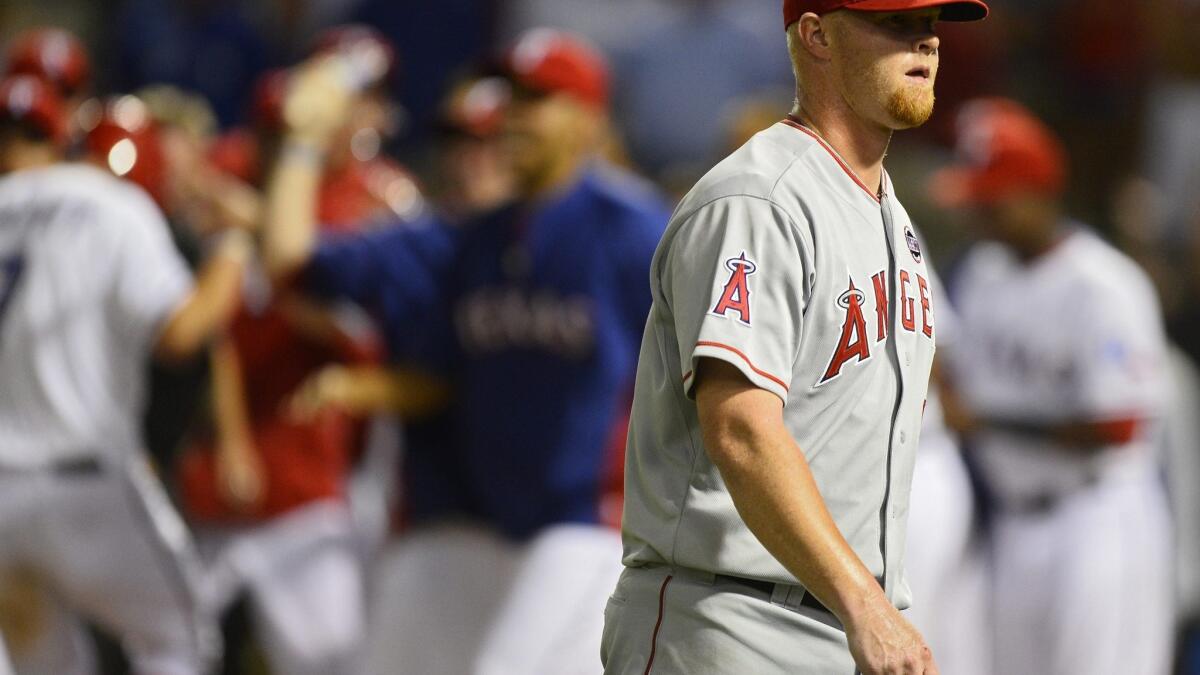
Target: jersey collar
791,121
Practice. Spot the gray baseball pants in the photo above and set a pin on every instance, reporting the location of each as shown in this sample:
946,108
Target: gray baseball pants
670,621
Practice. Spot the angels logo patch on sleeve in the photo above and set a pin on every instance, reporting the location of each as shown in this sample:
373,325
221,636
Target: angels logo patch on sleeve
736,295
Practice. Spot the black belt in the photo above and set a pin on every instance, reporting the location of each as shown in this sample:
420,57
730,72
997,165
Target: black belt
768,587
70,467
77,466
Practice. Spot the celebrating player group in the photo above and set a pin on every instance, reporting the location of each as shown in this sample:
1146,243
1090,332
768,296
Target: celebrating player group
506,413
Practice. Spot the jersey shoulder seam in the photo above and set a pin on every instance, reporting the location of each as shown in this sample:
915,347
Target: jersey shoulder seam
764,198
786,170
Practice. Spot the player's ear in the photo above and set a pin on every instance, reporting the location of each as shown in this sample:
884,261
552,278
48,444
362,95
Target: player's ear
813,33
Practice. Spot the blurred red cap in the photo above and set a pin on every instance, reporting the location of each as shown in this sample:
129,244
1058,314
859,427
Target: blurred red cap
53,54
370,53
125,140
477,109
549,61
952,10
25,98
1002,148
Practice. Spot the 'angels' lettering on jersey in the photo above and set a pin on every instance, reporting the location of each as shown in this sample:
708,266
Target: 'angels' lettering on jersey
854,345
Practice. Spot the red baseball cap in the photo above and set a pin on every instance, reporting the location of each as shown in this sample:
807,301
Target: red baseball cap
125,140
25,98
952,10
549,61
53,54
1002,148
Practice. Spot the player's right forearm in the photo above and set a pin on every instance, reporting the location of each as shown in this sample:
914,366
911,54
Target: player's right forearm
212,302
290,218
775,494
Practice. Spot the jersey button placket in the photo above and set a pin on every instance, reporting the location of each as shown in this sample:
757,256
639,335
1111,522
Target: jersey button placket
900,354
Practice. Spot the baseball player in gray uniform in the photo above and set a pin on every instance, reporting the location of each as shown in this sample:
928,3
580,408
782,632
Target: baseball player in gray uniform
782,379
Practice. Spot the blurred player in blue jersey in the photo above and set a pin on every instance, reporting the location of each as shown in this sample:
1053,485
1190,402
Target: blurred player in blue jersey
534,313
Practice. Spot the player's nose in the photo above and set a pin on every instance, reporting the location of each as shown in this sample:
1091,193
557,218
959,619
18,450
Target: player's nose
928,44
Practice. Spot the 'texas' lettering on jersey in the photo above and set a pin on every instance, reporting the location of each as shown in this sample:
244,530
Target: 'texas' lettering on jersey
493,320
855,341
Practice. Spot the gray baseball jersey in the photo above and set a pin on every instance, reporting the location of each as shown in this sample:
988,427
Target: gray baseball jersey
783,264
87,275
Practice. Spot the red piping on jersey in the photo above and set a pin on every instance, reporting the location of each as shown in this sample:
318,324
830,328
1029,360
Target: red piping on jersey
662,597
687,376
1118,431
849,172
745,358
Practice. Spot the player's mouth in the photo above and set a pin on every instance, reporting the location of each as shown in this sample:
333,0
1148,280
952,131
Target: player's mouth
918,75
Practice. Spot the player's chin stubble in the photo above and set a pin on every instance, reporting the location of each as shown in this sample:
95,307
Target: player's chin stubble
911,106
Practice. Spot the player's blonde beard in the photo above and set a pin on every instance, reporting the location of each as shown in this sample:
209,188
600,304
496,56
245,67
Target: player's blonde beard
911,106
908,105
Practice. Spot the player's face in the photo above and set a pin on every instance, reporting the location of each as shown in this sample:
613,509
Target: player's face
1017,219
542,132
886,63
475,174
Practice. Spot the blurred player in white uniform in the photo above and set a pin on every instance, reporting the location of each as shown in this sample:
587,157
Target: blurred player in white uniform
90,288
1060,368
945,561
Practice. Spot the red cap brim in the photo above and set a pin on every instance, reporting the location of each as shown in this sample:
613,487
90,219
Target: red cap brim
952,10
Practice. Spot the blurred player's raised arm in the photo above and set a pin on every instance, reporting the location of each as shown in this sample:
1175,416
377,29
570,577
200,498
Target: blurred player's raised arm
317,101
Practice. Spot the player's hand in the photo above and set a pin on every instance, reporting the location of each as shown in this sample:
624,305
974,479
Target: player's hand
241,480
884,643
318,99
958,417
327,388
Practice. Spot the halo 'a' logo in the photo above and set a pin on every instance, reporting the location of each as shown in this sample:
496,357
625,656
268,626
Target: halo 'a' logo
736,294
853,342
853,295
914,245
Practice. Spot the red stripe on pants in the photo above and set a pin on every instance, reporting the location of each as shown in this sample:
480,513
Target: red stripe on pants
662,596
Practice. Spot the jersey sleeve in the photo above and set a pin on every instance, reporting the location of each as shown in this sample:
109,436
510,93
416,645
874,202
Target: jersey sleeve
401,259
735,283
1119,373
397,274
152,278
